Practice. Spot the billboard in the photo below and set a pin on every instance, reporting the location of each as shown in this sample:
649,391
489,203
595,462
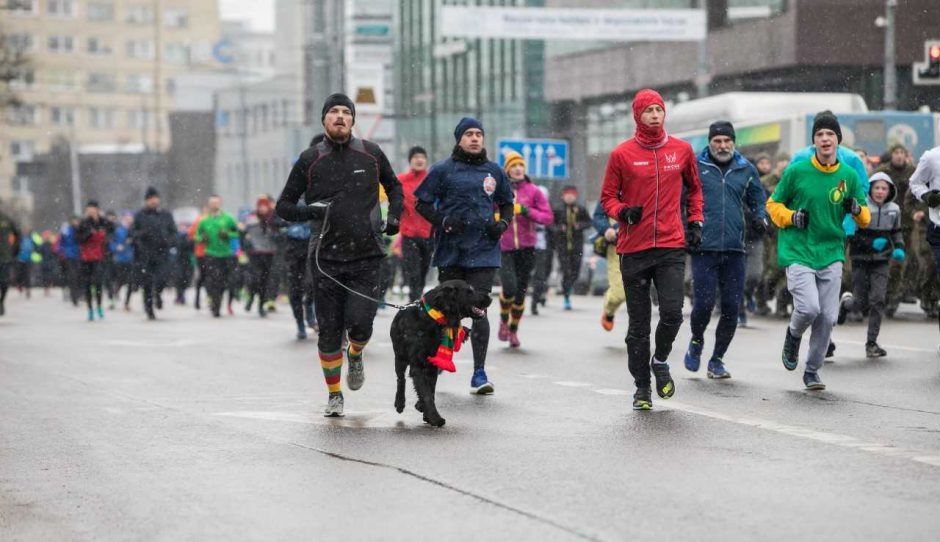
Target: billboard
573,24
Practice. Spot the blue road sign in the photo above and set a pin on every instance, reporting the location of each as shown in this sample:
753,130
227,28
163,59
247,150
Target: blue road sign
544,158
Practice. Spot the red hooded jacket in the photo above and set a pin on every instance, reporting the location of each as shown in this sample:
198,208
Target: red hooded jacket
412,224
652,176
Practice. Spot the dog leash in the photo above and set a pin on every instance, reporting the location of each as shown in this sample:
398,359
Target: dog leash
316,257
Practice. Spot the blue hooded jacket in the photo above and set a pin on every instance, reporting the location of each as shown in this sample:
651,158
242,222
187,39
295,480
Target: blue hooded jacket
725,196
456,189
848,157
122,250
68,245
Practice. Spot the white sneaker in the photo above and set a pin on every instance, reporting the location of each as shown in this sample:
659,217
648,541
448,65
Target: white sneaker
334,409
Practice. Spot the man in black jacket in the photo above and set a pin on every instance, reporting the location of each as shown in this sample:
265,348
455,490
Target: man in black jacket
152,234
339,175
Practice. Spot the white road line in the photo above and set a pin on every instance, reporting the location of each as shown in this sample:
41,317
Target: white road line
891,346
353,419
572,384
928,457
179,343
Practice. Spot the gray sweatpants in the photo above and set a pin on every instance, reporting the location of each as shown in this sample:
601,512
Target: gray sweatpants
815,303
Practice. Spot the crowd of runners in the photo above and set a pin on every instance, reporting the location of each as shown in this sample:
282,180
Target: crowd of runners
827,235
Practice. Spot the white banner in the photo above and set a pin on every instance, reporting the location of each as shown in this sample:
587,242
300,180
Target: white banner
574,24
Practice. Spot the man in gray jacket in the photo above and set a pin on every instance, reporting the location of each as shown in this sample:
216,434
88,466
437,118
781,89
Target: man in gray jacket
872,250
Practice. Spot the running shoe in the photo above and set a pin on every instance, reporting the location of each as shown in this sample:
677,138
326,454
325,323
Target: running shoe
831,351
301,331
791,351
607,321
567,303
716,369
845,302
693,357
356,373
750,304
665,387
514,340
812,382
643,399
742,319
100,313
503,334
91,315
872,350
479,384
334,408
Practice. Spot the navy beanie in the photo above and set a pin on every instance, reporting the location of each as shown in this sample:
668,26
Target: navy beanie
721,128
826,119
338,99
465,124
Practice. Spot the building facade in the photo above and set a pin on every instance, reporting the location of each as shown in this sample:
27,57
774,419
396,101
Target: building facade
100,72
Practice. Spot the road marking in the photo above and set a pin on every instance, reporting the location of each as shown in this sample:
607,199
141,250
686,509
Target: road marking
179,343
921,456
361,419
611,391
572,384
894,346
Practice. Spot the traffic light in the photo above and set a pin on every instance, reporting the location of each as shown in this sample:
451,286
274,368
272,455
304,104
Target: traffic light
928,73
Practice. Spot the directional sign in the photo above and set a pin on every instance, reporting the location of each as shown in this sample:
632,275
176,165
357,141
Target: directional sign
544,158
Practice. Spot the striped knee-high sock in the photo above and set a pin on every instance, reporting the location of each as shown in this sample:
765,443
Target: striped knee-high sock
332,365
516,313
505,306
354,351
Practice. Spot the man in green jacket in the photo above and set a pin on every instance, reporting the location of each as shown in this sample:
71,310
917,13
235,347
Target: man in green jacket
216,230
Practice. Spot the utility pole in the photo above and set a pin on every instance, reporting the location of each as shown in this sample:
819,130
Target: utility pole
890,69
75,173
157,85
703,78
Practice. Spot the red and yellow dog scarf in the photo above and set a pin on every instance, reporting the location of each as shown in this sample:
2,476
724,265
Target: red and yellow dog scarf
451,339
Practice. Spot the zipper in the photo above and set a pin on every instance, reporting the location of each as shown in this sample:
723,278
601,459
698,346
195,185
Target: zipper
656,203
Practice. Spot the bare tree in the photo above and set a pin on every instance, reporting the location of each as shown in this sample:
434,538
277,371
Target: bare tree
13,61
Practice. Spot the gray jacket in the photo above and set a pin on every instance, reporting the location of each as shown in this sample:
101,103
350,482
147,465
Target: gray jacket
885,223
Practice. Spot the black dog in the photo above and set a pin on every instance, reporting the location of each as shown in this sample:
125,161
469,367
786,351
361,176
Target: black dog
416,336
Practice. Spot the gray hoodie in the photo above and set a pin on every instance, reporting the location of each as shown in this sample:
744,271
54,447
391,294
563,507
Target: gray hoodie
885,222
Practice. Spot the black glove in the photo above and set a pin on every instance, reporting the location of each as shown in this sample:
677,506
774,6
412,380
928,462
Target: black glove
851,206
801,219
497,229
631,215
392,225
318,209
932,198
759,227
453,225
693,236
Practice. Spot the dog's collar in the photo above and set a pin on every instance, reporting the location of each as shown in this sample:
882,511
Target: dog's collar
435,314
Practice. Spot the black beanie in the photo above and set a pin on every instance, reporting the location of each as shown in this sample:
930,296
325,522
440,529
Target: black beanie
338,99
417,149
151,193
827,120
92,203
721,128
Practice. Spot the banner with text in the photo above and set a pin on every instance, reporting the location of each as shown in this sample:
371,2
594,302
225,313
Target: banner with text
574,24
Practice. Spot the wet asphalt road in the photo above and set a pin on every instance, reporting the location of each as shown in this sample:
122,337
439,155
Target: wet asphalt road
197,429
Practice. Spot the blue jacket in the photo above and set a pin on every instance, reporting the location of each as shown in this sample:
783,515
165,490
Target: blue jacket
68,245
26,248
118,246
456,189
725,196
848,157
601,221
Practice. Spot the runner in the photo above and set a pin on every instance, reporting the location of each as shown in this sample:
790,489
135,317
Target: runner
153,233
216,230
518,247
122,251
92,236
339,178
925,186
262,235
417,246
646,179
459,197
571,220
9,245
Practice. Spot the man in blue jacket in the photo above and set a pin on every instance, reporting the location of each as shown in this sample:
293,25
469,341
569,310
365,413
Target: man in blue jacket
729,182
459,198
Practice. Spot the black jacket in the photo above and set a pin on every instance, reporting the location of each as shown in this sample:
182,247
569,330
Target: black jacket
347,175
153,232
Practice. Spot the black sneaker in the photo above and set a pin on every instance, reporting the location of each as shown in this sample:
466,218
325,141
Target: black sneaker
831,351
872,350
791,351
643,399
846,300
812,382
665,387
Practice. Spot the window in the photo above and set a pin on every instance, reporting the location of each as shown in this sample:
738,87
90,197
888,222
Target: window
100,117
62,116
22,151
24,8
98,46
60,80
176,53
22,115
60,8
61,44
19,42
139,14
139,119
140,49
101,82
23,78
100,11
139,84
175,18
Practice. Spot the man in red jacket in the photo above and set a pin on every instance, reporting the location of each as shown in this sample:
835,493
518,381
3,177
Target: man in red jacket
643,188
416,243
